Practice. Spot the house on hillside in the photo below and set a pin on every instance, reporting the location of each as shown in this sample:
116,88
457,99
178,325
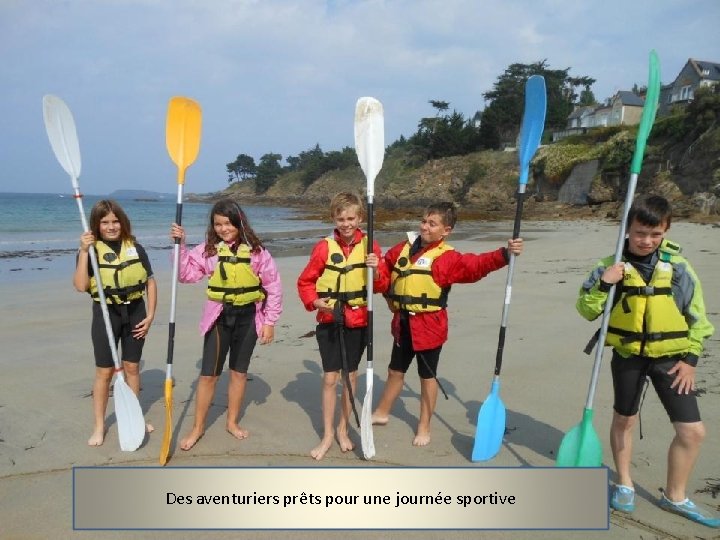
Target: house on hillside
623,109
601,117
626,109
695,74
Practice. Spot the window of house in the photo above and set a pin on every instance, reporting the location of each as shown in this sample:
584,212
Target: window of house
686,93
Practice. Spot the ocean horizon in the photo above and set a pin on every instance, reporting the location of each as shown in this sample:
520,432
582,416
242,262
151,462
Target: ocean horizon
40,232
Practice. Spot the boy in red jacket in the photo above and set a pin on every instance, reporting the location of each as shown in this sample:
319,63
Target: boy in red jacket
335,283
422,271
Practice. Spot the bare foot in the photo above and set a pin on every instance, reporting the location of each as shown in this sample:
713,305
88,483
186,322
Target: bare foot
97,438
321,449
379,420
421,439
149,428
237,432
191,439
344,441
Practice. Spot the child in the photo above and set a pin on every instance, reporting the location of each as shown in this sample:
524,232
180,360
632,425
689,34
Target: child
657,327
244,303
422,271
335,283
126,274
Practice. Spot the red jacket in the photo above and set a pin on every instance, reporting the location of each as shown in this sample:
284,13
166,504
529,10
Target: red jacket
430,330
354,317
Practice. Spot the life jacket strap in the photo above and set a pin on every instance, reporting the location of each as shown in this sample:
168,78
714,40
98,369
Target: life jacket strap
345,269
631,337
119,292
647,290
423,300
592,342
234,290
344,296
409,271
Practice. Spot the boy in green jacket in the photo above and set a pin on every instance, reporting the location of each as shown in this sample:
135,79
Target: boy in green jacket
657,328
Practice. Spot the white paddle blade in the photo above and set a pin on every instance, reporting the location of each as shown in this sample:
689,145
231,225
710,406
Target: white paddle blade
60,128
367,440
370,139
130,420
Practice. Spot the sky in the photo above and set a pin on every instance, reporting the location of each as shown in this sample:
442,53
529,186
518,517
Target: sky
283,75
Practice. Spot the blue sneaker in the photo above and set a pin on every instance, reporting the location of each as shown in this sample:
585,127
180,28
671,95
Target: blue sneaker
690,510
622,498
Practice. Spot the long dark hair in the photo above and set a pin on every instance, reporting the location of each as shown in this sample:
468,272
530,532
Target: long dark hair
231,210
104,207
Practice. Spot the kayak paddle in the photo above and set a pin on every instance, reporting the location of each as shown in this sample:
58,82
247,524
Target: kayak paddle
491,417
581,446
60,128
182,138
370,149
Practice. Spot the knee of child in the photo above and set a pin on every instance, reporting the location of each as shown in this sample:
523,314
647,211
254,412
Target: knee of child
691,433
622,422
131,368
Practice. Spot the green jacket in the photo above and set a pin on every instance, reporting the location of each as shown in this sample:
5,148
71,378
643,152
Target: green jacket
686,292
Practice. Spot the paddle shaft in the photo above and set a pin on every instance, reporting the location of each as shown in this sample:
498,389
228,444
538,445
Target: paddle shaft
508,284
609,302
176,271
370,278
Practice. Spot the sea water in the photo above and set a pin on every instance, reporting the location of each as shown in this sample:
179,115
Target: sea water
40,232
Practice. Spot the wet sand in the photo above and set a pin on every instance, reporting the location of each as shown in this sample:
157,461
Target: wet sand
47,370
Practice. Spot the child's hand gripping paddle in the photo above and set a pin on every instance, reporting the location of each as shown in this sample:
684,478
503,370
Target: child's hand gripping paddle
491,417
60,127
182,137
581,446
370,149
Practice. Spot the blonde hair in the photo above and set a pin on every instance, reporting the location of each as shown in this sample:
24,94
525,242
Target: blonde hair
344,200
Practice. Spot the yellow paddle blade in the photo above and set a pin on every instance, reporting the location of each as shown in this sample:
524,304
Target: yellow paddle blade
182,133
167,436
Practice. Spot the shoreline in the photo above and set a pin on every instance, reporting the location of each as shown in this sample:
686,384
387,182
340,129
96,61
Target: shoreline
26,264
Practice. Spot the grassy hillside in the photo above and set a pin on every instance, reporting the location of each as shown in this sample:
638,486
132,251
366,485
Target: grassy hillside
682,161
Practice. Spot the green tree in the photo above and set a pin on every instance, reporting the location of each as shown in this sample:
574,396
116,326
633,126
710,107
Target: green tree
442,136
507,98
241,169
268,170
587,97
311,164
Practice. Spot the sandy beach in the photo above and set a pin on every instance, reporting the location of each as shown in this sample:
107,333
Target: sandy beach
47,370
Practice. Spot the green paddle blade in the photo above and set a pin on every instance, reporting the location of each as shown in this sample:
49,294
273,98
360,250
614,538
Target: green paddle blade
581,446
648,113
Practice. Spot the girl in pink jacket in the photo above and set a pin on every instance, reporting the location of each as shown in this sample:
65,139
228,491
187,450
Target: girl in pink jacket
244,303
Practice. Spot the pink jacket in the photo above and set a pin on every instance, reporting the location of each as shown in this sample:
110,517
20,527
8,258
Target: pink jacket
194,266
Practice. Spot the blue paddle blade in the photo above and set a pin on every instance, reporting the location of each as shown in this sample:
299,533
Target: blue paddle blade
532,123
490,425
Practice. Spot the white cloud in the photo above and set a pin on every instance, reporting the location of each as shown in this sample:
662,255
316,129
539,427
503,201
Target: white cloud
281,75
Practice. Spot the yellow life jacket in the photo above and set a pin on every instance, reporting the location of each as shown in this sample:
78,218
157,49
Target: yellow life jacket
123,276
412,287
344,279
646,320
233,281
